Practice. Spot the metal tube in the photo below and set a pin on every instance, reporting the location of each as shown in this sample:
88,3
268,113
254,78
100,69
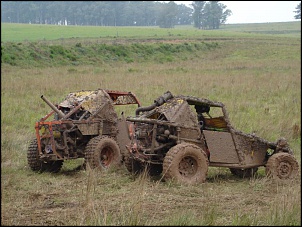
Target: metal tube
59,112
147,108
161,100
72,112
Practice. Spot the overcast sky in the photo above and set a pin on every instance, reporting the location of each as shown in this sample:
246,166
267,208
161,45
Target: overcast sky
258,11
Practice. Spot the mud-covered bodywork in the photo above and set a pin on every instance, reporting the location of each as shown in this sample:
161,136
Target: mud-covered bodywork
82,117
174,120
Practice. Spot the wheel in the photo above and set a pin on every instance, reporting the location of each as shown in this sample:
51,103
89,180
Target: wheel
38,165
282,166
186,163
32,156
244,173
102,152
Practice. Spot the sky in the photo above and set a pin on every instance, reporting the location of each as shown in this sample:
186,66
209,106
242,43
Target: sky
258,11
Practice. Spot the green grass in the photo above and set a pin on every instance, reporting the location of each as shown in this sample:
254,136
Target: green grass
37,54
257,77
275,28
34,32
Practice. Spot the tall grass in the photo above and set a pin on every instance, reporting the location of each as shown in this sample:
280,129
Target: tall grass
259,81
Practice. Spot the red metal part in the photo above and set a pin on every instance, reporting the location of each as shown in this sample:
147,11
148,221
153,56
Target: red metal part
47,116
39,137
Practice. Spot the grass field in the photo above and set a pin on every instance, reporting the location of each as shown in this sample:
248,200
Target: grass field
35,32
257,76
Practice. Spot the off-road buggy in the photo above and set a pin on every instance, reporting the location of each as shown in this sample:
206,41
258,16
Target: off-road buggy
84,125
181,136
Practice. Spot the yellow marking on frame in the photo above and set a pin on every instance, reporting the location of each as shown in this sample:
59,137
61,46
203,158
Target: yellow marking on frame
83,93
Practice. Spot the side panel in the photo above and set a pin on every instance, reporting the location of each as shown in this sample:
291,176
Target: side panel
221,147
253,150
190,133
90,129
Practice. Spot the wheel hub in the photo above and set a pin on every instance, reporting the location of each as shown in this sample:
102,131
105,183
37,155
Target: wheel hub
187,166
106,157
284,169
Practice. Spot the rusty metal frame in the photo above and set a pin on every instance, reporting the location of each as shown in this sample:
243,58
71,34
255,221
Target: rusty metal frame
117,97
49,126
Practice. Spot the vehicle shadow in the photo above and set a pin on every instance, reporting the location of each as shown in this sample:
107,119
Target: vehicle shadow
72,171
229,177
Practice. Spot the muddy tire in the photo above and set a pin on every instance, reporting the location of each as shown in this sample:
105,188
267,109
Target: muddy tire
186,163
282,166
102,152
244,173
32,156
36,164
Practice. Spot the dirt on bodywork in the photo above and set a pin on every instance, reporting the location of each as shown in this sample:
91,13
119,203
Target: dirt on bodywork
181,136
85,125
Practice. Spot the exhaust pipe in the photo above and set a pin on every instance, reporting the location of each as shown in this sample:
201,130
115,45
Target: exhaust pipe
52,106
161,100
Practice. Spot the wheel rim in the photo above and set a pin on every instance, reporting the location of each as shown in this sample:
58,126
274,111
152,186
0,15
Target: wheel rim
284,169
188,167
106,157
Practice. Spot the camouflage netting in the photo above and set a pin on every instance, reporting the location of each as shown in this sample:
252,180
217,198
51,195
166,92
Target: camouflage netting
89,100
176,110
98,103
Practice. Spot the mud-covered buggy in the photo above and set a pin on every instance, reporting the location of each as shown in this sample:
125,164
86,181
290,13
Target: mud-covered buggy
84,125
181,136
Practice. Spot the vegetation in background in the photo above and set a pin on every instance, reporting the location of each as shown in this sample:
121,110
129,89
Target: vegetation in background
209,15
95,13
131,44
201,14
111,13
298,11
37,54
257,77
65,35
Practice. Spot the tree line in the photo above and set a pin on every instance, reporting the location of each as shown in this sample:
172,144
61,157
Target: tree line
201,14
298,11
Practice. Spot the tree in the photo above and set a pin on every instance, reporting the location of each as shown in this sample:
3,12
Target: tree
209,15
97,13
184,14
198,13
212,13
168,15
298,11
